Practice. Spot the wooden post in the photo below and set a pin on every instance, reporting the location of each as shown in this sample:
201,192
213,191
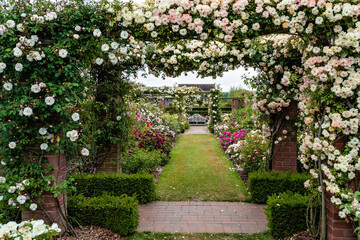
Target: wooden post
234,104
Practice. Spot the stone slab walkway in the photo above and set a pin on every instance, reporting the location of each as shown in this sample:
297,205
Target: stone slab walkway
197,130
201,217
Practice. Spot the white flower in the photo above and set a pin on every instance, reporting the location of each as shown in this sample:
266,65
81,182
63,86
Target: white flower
105,48
17,52
123,50
12,189
2,66
33,207
85,152
42,131
154,34
55,227
11,226
99,61
8,86
78,28
43,146
319,20
73,135
1,198
124,35
256,26
63,53
2,180
97,33
118,118
49,101
20,187
114,45
21,199
26,182
19,67
76,36
38,227
12,145
10,24
183,32
35,88
27,111
75,117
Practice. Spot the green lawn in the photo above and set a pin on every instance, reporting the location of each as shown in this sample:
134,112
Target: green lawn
200,236
199,170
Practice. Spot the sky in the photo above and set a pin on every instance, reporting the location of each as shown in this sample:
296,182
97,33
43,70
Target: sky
230,79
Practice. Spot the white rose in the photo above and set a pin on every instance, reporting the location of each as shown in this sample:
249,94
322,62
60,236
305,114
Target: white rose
99,61
49,101
85,152
105,48
35,88
10,24
12,189
19,67
8,86
21,199
114,45
12,145
124,35
75,117
43,146
2,180
28,111
97,33
63,53
33,207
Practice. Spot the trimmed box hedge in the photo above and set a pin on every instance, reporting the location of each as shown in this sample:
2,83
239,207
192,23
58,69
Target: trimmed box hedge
263,184
140,185
286,214
118,214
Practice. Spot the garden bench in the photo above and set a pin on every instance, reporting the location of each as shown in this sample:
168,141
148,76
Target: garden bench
197,119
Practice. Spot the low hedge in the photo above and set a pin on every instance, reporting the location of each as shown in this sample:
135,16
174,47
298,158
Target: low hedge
140,185
286,214
118,214
263,184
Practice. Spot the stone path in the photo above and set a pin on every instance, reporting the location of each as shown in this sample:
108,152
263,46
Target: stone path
197,130
201,217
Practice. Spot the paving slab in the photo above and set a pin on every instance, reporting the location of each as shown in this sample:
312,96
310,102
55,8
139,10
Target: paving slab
201,217
197,130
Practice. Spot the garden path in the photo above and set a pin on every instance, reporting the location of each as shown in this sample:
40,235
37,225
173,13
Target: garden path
197,130
201,217
199,170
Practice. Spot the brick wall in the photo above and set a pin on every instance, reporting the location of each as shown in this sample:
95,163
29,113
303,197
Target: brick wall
285,152
58,163
111,162
337,228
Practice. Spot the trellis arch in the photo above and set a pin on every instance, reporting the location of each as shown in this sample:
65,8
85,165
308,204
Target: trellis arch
47,47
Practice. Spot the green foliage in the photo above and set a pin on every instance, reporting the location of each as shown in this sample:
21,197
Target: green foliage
263,184
142,160
118,214
140,185
286,214
214,110
9,214
251,152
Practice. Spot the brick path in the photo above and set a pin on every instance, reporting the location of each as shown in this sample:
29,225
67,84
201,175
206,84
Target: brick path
197,217
197,130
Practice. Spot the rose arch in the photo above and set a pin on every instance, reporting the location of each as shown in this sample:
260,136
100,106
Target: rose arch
51,53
